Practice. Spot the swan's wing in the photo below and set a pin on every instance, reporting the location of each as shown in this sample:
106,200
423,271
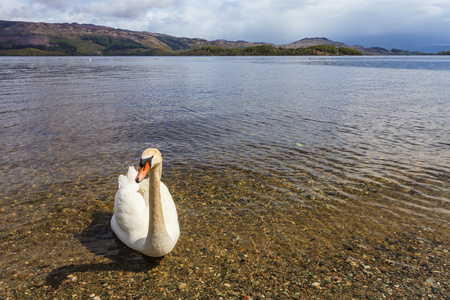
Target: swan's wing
130,211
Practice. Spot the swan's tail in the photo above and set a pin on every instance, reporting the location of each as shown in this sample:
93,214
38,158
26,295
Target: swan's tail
128,180
132,173
128,183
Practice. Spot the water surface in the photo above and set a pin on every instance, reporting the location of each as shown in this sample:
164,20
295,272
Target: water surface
290,145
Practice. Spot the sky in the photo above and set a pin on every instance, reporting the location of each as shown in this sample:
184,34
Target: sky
414,25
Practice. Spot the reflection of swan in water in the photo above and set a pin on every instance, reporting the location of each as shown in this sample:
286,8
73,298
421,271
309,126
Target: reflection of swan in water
145,217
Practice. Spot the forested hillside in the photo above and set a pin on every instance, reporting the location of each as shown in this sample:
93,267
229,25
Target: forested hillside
27,38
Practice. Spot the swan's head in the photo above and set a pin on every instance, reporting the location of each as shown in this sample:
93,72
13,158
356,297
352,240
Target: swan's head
150,158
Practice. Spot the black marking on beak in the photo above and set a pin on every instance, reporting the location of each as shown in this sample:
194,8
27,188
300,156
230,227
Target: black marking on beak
143,161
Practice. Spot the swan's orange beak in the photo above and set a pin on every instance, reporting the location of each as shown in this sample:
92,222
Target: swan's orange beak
142,172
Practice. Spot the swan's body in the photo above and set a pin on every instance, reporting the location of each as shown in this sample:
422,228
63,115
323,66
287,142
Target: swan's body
145,217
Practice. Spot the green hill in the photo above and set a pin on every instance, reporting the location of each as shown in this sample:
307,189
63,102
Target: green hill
27,38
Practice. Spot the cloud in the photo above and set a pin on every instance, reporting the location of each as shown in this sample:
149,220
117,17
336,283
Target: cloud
286,21
52,4
127,9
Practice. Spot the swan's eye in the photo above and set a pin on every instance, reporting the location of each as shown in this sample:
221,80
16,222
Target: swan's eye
143,161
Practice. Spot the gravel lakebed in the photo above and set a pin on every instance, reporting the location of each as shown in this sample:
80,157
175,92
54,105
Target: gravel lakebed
64,248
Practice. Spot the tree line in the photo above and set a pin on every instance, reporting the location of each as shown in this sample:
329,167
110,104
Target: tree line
271,50
120,46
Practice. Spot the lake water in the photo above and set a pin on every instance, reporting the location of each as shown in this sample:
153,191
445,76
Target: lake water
326,145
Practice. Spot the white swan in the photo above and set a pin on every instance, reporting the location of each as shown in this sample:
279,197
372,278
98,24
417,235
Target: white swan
145,217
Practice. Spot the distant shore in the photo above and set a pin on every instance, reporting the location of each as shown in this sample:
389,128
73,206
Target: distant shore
260,50
56,39
127,50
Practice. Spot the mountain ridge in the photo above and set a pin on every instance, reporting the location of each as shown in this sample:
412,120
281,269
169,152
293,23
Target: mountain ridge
89,39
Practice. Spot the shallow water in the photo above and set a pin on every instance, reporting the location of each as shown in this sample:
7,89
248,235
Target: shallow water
326,145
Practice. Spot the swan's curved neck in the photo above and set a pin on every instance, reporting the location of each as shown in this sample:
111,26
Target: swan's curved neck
156,224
